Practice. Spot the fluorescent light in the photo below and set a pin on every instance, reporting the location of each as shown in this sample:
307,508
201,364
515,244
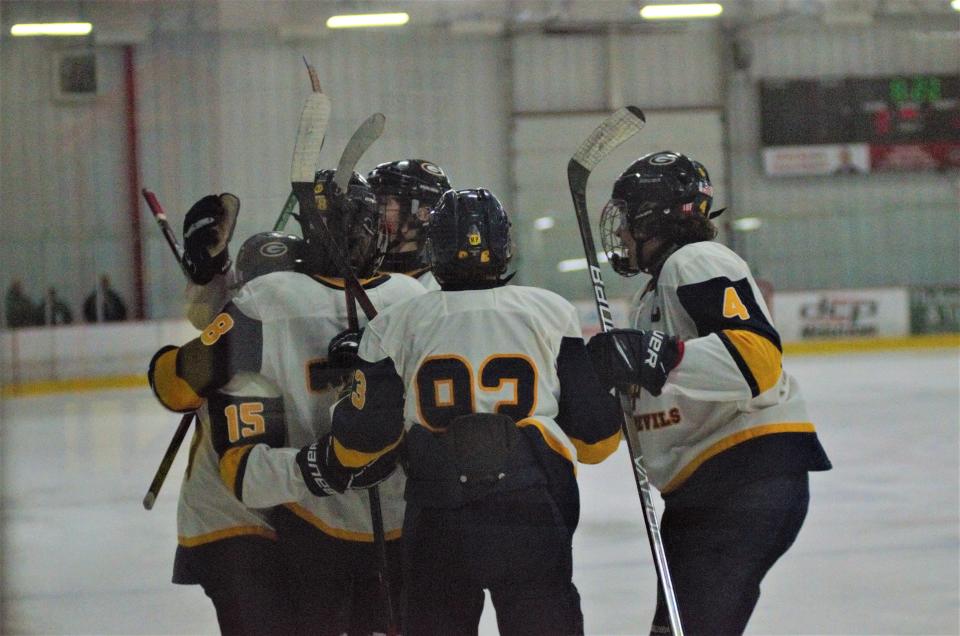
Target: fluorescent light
577,264
52,28
747,224
681,11
367,20
543,223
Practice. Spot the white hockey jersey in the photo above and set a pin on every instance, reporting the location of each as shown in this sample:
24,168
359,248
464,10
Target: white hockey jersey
279,326
207,510
512,350
729,387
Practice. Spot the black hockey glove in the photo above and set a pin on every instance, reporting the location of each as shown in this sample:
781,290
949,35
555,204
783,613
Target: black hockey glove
341,360
207,229
343,348
622,357
324,475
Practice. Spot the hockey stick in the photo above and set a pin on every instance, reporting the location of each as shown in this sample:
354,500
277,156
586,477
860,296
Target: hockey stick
165,228
320,122
376,509
302,172
613,131
161,475
167,461
361,140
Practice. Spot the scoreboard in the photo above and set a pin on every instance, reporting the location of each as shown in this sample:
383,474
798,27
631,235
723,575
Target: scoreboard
860,124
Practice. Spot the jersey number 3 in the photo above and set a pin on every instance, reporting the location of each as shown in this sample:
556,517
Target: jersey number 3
445,387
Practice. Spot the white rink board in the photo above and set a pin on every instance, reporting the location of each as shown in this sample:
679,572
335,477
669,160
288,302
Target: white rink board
842,313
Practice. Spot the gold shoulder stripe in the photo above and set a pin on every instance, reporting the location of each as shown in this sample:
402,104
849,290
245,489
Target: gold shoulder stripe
759,354
733,440
598,451
230,466
357,459
171,389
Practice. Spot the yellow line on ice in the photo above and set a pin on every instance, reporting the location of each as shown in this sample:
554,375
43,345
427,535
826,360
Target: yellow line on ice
73,385
930,341
927,341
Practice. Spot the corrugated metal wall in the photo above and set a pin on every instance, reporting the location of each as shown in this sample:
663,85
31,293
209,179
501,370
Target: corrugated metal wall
219,112
846,230
246,94
63,214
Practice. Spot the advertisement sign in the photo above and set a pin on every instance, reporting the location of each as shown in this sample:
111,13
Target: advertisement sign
842,313
790,161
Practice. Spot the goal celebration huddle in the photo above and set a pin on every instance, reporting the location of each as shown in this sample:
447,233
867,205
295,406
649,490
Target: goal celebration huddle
387,426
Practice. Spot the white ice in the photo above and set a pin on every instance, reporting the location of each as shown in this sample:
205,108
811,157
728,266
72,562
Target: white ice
878,554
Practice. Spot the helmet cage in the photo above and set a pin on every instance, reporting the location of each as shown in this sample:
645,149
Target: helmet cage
354,221
413,183
614,221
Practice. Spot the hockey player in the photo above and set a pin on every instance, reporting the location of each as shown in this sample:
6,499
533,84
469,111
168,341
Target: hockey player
407,190
279,325
491,391
724,430
227,548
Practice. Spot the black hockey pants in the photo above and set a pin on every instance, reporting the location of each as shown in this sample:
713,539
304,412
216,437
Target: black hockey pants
243,578
720,549
515,544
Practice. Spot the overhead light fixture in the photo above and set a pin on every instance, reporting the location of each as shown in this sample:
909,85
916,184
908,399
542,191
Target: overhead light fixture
681,11
367,20
51,28
577,264
544,223
747,224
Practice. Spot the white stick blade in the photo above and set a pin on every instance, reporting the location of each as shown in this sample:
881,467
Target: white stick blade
615,129
312,128
361,140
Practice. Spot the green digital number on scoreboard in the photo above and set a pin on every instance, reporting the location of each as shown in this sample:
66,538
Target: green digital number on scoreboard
874,110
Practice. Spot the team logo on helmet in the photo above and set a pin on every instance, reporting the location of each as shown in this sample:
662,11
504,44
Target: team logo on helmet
430,168
473,236
663,159
273,249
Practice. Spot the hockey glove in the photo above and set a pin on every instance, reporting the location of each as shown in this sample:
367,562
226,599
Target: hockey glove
207,229
622,357
341,360
343,348
324,475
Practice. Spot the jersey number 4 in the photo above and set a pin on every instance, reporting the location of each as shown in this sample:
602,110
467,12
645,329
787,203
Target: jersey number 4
445,387
733,307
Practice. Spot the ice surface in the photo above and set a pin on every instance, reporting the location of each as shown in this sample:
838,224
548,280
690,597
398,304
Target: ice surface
879,553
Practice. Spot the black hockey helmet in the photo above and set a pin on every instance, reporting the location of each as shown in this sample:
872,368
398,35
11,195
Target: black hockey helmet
653,193
468,237
415,184
268,252
354,221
